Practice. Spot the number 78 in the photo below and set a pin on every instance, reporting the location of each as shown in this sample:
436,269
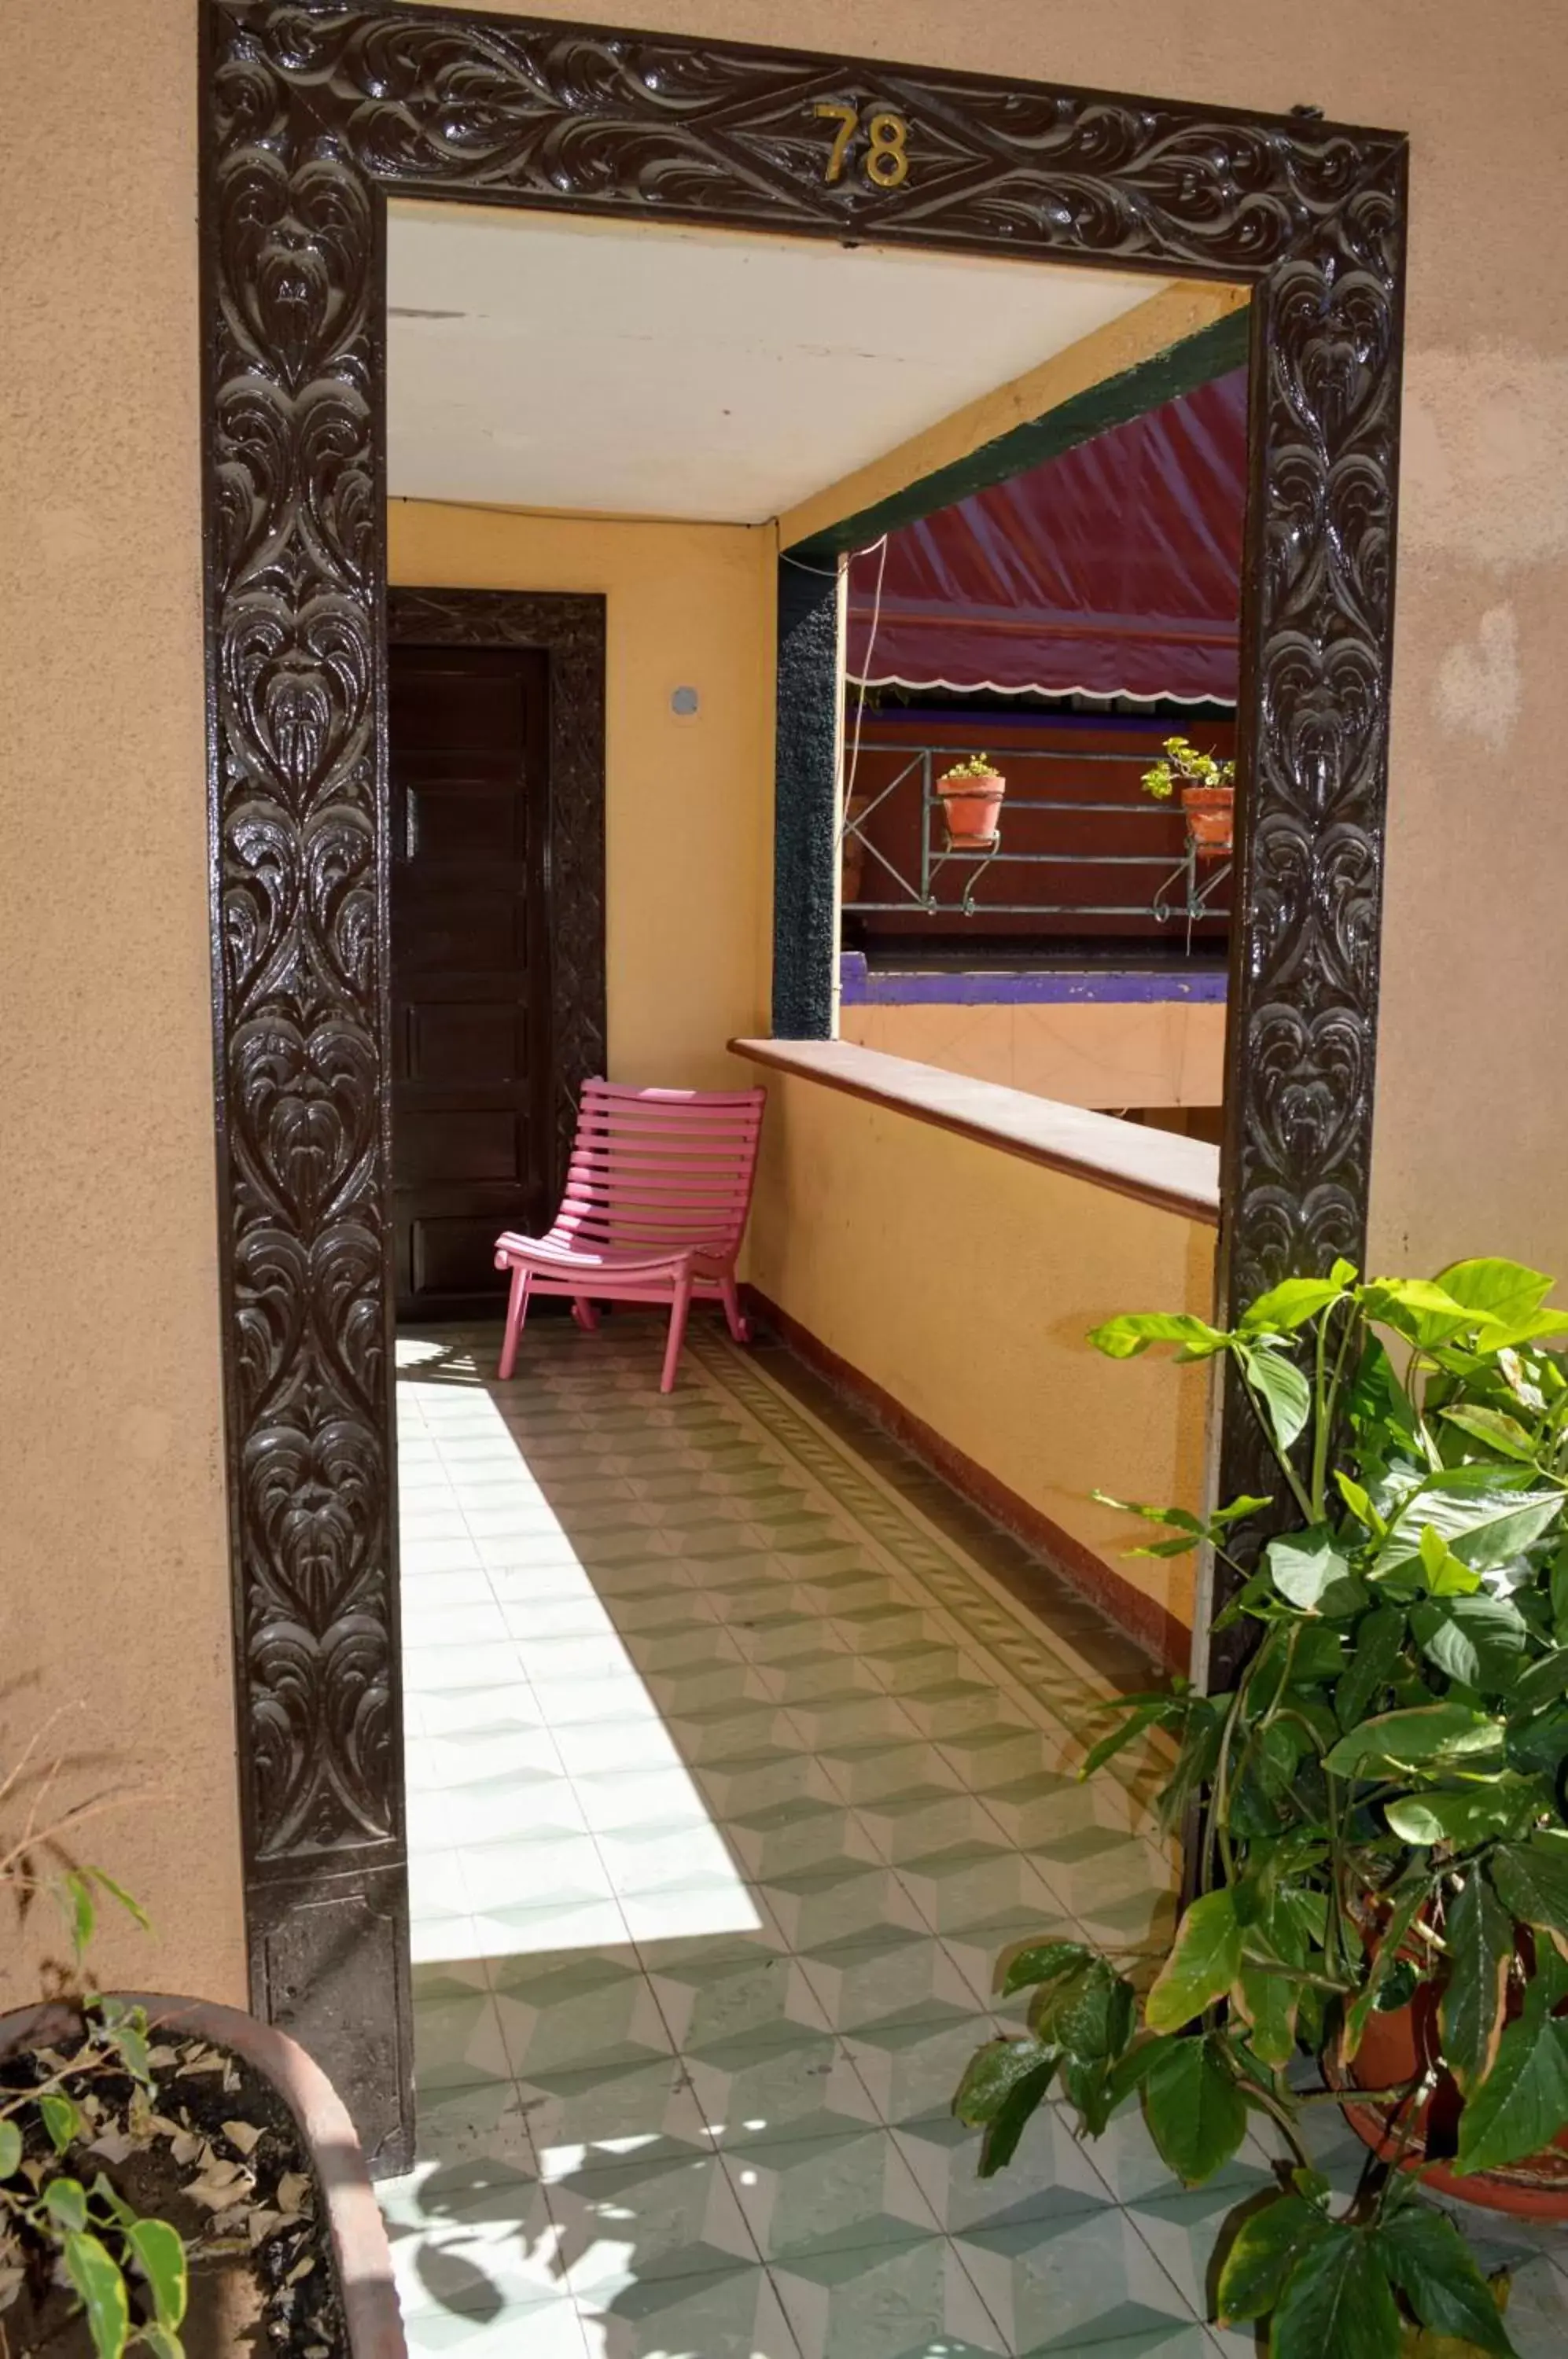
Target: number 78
887,161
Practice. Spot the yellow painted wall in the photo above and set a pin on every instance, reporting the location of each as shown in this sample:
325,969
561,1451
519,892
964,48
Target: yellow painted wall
1109,1055
689,803
963,1281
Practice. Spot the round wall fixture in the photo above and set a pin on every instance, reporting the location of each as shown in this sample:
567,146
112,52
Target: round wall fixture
684,703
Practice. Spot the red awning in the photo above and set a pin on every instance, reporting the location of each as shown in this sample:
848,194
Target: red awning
1112,571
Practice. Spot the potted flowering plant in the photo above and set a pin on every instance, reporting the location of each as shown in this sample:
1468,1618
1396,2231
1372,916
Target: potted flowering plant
1379,1916
1207,789
970,796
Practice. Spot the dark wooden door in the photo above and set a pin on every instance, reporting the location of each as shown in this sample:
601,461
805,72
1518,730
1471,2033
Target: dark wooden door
472,1087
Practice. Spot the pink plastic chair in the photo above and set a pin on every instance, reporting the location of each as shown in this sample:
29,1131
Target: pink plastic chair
656,1196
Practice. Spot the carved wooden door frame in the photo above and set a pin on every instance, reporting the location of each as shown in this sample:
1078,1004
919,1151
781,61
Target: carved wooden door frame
313,112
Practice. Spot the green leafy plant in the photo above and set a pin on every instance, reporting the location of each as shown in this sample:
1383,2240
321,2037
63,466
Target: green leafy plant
1384,1804
1184,765
128,2273
978,766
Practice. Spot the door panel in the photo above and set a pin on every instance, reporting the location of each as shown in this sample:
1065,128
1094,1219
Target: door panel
471,1052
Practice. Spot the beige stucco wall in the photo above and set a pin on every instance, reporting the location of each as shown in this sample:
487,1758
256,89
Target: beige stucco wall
964,1282
688,803
115,1581
114,1576
1105,1054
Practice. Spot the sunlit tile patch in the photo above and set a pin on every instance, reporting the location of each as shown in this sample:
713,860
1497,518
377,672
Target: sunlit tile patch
731,1774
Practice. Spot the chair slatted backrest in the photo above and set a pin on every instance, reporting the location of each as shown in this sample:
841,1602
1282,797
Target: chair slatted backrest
660,1170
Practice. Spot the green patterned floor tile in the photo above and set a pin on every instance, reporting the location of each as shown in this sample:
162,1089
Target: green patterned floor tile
547,2329
894,1975
914,2301
764,2088
731,2314
650,2216
609,2114
839,1903
809,2196
911,2068
1050,2176
789,1837
588,2008
1073,2281
740,1987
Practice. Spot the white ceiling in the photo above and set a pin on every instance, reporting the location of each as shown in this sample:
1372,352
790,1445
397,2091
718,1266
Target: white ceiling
649,371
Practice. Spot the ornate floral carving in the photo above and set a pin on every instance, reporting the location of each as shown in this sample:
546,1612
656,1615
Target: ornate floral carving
313,109
570,629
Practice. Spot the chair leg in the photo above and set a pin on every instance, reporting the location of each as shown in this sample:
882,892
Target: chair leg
677,1310
583,1311
517,1312
740,1325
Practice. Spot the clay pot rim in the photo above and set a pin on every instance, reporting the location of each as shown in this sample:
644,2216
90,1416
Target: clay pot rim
1511,2186
372,2319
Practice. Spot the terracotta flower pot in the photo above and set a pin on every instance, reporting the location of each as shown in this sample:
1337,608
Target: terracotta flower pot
372,2320
1395,2048
971,806
1211,819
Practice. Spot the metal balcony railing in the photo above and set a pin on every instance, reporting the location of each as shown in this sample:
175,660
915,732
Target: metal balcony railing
947,876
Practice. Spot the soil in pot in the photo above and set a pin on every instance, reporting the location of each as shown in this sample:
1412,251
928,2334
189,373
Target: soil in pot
217,2155
972,807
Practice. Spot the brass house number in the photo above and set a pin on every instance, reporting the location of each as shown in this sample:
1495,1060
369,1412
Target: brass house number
885,158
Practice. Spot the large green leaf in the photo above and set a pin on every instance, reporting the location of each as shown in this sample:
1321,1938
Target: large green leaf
1309,1568
160,2255
10,2149
1336,2302
1428,2260
1522,2104
1480,1936
1087,2015
1423,1736
1260,2253
1464,1814
1375,1651
1196,2114
1205,1960
993,2072
1123,1338
1532,1879
1542,1683
97,2279
1508,1291
1485,1525
1424,1313
1479,1640
1012,2117
1291,1304
1267,2003
1039,1961
1281,1391
61,2119
1447,1575
1495,1428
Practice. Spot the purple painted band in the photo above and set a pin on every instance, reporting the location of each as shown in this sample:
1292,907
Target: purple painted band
859,987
